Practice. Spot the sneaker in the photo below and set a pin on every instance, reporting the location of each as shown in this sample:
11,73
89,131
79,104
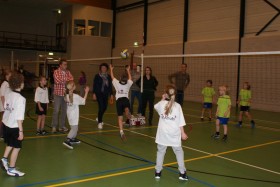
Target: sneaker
157,175
54,130
238,125
4,164
202,118
14,172
100,125
183,176
68,144
63,129
38,133
216,136
252,125
122,136
43,132
224,138
75,141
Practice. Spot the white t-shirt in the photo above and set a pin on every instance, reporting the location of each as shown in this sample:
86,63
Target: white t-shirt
168,132
41,95
14,109
122,90
4,90
73,109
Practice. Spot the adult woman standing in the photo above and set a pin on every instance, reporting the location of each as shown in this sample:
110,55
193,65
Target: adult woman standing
148,96
102,89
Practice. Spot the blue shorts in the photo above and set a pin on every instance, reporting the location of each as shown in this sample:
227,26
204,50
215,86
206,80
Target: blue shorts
207,105
223,121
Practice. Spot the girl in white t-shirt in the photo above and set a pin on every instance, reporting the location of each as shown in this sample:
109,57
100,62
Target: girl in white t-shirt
170,131
42,101
122,87
4,90
73,101
13,117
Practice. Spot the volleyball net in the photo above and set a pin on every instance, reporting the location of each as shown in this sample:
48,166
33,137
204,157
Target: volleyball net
260,69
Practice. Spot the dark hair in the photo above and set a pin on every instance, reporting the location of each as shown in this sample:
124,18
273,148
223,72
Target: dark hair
148,67
105,65
62,60
210,81
248,85
83,73
16,80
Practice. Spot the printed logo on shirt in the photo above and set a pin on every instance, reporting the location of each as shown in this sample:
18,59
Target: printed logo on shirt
171,118
8,108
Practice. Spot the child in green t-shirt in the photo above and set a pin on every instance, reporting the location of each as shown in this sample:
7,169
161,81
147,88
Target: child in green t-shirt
244,101
223,112
208,93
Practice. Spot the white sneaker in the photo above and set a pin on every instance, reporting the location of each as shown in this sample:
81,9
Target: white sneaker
14,172
4,164
100,125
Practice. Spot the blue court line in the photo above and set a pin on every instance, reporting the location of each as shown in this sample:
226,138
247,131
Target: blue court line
85,175
150,162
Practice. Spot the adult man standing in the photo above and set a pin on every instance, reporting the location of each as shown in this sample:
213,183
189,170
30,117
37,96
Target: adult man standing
61,77
182,80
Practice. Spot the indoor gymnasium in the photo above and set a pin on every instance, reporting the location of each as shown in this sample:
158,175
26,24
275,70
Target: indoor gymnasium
156,93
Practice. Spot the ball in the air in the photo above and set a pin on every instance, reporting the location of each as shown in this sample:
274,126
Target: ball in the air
124,54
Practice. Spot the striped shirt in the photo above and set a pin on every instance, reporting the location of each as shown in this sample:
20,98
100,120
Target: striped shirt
60,78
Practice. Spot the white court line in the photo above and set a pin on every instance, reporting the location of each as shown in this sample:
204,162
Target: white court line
215,155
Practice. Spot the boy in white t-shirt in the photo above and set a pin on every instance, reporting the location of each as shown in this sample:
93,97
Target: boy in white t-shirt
170,131
13,117
122,87
73,101
4,90
42,101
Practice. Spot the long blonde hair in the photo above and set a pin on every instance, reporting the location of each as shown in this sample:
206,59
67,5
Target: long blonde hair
70,87
170,92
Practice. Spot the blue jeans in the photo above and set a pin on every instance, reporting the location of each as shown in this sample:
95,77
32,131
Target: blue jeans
136,94
180,97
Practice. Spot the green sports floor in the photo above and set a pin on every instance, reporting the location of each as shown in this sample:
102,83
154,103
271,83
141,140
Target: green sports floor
250,157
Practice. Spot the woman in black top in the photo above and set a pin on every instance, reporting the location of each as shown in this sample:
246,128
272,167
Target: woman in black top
148,96
102,89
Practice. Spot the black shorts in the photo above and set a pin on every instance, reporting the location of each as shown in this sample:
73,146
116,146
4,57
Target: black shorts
244,108
11,137
121,104
44,106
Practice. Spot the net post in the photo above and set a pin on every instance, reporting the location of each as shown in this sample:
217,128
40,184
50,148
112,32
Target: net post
142,71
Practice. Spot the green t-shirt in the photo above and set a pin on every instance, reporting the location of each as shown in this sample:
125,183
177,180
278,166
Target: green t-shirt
245,96
223,103
208,93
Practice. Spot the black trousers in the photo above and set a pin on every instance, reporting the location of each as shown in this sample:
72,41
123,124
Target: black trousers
148,98
102,100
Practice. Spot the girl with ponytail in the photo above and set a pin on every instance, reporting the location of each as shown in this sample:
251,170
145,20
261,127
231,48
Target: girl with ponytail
170,131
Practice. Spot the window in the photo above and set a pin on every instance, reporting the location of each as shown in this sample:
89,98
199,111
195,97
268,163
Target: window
93,27
106,29
79,27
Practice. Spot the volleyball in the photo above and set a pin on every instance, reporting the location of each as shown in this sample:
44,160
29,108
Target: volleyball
124,54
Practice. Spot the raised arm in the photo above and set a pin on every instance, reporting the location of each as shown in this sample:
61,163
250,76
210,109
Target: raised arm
111,72
128,72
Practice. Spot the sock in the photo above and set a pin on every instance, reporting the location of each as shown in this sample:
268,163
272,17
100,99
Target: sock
217,133
240,122
225,135
252,121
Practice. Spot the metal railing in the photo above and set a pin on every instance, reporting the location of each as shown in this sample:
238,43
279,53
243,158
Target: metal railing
27,41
